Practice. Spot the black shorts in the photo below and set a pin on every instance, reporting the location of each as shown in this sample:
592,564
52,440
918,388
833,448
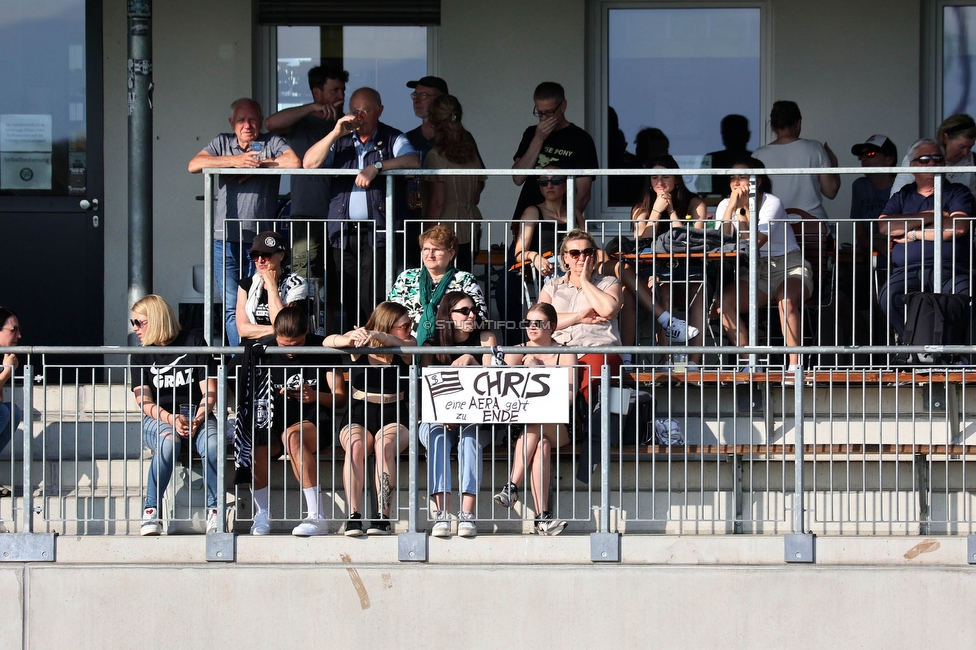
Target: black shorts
374,417
285,413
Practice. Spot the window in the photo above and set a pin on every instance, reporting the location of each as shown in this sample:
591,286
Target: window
676,72
958,58
384,58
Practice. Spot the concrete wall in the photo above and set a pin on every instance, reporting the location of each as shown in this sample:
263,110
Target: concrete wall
109,597
848,84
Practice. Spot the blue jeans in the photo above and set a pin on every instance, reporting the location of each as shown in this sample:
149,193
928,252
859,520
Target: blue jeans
439,439
6,428
227,271
166,445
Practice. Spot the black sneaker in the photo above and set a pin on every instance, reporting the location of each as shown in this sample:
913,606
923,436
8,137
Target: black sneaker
379,526
546,525
508,496
354,527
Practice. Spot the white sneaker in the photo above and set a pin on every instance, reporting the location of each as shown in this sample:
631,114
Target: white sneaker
466,525
668,432
679,330
261,525
213,521
150,522
311,526
442,524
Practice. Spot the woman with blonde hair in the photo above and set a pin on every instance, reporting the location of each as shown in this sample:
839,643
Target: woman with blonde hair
378,412
163,382
453,200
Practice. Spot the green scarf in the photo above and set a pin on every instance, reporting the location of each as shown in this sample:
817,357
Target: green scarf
430,298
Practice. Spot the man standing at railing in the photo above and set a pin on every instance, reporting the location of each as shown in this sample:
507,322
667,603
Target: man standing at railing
244,199
303,126
553,141
357,207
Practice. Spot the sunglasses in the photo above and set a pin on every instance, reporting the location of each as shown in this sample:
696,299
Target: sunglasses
925,160
555,181
260,255
138,323
868,154
536,324
586,252
464,311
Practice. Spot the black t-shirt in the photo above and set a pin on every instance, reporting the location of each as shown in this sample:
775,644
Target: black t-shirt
291,372
570,148
174,378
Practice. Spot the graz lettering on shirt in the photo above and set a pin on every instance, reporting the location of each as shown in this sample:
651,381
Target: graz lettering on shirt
169,377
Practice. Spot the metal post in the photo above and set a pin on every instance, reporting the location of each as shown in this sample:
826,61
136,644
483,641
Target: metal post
937,227
570,202
753,270
799,546
604,545
140,85
208,260
412,545
221,546
28,447
390,238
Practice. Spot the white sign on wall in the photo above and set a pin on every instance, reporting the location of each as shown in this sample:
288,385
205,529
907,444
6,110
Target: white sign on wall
495,395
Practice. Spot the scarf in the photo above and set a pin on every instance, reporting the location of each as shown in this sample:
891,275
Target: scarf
291,289
430,298
254,406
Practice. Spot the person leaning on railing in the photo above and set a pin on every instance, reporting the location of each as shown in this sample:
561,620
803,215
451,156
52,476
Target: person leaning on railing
587,304
378,411
456,324
908,220
161,382
421,290
538,440
784,276
10,414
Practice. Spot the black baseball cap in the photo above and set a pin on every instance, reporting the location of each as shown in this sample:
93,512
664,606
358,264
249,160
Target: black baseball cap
268,242
430,82
876,142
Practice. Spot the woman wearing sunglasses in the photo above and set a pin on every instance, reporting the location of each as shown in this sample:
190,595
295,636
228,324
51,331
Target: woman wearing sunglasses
162,382
378,411
956,135
457,324
541,225
271,288
586,304
539,439
909,222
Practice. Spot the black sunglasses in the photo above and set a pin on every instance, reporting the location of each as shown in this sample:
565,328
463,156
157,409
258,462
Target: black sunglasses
464,311
555,181
138,323
537,324
924,160
586,252
260,254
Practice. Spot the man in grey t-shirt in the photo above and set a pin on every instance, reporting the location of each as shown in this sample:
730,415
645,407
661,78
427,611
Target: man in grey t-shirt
242,200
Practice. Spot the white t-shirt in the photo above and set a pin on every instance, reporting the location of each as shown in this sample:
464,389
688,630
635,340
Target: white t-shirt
796,191
773,222
963,178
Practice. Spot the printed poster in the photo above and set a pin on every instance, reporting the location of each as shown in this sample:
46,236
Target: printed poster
495,395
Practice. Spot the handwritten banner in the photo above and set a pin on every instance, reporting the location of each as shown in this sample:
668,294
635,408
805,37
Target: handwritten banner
497,395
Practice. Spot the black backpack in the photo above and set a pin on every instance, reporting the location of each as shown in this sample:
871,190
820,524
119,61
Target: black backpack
936,319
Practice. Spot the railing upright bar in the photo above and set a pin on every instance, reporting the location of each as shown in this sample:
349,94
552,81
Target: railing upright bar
221,446
604,447
28,445
413,501
798,509
570,203
208,260
753,270
937,226
390,247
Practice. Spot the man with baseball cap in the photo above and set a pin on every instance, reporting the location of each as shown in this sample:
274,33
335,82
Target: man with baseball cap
870,193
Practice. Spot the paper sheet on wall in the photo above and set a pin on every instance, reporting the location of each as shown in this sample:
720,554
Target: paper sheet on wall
25,171
25,133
